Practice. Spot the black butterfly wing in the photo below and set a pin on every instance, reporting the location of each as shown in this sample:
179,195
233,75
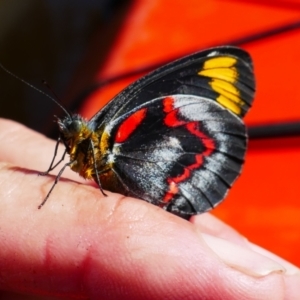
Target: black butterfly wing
175,138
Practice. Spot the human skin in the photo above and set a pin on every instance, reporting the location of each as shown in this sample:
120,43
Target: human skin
83,245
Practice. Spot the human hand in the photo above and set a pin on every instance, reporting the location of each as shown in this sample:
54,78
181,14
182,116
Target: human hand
84,245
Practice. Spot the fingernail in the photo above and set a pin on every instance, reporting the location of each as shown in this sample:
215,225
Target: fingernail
242,259
290,268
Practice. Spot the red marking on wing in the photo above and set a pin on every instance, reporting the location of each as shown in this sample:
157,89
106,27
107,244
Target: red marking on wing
187,170
129,125
208,142
168,104
193,128
171,119
173,190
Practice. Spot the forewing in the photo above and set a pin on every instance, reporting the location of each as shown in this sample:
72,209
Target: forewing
222,74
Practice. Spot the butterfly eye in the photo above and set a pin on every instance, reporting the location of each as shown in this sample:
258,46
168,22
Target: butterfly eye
75,127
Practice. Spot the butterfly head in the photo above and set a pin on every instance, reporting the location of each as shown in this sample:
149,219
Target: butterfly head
73,131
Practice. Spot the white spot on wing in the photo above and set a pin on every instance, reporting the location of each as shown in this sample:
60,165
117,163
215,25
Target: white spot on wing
213,53
174,142
110,159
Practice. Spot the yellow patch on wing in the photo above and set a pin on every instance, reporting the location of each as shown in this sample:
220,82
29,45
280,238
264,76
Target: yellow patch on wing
219,62
229,95
104,145
224,75
104,142
229,105
228,74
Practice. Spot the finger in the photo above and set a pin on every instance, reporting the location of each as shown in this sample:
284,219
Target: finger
209,224
213,227
82,243
26,148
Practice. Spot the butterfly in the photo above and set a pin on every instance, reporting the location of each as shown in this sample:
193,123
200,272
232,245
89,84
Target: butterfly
174,138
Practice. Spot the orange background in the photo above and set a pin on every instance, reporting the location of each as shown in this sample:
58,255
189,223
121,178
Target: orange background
264,204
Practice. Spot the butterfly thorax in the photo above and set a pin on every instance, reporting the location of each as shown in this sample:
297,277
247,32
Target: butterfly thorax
82,144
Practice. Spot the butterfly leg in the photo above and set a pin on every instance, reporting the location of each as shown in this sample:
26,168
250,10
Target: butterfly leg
55,182
51,167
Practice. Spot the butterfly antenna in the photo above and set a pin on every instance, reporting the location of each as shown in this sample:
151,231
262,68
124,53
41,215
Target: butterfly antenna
46,84
35,88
